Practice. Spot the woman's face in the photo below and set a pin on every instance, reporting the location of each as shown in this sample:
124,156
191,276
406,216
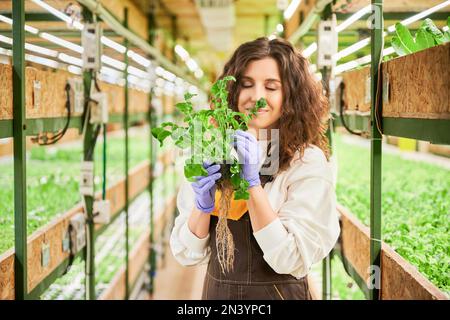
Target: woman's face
261,79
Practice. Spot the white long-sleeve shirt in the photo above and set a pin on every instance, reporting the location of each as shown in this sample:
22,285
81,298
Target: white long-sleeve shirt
305,231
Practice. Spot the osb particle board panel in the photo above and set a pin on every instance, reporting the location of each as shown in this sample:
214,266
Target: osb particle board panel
116,97
138,101
46,102
355,88
51,234
419,84
399,279
355,242
5,91
7,275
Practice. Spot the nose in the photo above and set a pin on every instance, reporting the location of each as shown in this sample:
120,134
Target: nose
258,92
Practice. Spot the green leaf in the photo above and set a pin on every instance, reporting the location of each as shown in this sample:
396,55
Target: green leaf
405,38
188,96
160,134
398,47
194,170
185,107
424,39
437,34
235,180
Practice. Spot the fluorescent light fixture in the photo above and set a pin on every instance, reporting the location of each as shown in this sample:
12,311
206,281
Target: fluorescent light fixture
310,50
111,72
59,14
137,72
113,62
179,81
41,50
353,48
280,28
62,42
169,76
272,36
291,9
192,65
74,69
312,68
27,27
44,61
363,60
184,55
159,71
160,82
198,73
31,47
139,59
70,59
113,45
361,44
5,19
7,40
5,52
354,17
421,15
31,29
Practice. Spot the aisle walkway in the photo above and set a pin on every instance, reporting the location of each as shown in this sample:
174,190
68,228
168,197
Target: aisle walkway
175,282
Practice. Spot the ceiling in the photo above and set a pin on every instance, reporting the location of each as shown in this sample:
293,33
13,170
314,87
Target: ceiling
178,21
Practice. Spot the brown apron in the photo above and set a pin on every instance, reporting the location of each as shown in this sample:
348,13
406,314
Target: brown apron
252,278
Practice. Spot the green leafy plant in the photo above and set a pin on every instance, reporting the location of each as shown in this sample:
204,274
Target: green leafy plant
208,133
426,37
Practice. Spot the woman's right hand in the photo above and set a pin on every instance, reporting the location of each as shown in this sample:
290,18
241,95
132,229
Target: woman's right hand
205,188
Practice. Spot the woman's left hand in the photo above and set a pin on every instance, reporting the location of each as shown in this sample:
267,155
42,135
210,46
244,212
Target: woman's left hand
249,156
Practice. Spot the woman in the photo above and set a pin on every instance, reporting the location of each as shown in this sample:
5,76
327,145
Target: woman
290,220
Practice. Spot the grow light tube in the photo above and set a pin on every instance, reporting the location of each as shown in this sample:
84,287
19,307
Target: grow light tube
344,25
31,47
44,61
62,42
310,50
27,27
291,9
113,63
59,14
363,60
106,41
420,15
354,17
113,45
361,44
70,59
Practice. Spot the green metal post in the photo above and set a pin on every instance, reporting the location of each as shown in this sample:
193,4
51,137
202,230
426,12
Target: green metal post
88,155
375,150
152,253
125,124
19,133
326,263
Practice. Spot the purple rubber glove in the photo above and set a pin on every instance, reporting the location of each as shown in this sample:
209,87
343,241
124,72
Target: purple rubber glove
205,188
249,156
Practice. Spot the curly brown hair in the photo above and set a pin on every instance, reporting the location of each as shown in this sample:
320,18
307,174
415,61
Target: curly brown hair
305,107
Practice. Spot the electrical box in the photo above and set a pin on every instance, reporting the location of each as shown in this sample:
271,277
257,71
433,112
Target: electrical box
92,46
77,230
76,95
87,178
99,108
327,43
102,211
